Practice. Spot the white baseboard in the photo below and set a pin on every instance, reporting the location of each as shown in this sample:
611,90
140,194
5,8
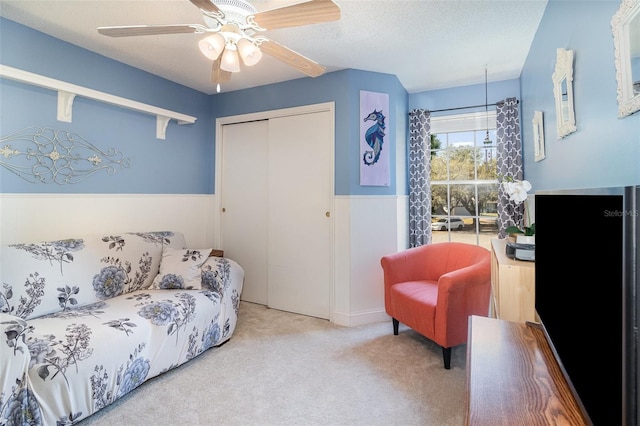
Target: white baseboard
360,318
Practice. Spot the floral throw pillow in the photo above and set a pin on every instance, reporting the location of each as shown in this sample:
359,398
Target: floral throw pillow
180,268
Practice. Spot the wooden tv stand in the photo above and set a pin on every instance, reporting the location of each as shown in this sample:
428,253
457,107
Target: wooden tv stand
513,377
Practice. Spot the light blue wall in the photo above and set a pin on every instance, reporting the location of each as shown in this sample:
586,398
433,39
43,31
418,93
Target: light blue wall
184,162
605,150
343,88
180,164
465,96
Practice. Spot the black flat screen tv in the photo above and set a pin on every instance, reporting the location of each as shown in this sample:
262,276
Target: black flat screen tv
587,285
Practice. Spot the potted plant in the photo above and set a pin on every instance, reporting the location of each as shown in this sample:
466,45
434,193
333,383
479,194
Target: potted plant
517,190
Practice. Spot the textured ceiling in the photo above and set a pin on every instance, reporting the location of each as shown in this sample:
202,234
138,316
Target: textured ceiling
427,44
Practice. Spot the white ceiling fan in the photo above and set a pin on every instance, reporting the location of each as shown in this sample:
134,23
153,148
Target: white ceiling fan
232,30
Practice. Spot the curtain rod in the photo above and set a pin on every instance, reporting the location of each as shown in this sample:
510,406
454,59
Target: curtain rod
467,107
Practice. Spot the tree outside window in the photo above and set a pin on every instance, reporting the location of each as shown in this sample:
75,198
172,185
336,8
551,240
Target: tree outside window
464,184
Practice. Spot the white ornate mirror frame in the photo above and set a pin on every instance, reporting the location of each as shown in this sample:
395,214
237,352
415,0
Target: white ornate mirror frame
625,26
563,92
538,136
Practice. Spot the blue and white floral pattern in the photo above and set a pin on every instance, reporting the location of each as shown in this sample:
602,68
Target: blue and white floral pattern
22,408
134,376
171,281
79,317
181,268
59,251
110,282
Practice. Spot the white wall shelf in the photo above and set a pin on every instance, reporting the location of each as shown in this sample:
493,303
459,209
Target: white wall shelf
67,93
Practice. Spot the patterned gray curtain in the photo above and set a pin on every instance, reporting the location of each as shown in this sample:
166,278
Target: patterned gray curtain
419,178
509,162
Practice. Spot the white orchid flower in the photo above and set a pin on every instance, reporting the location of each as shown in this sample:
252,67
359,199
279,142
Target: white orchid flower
517,190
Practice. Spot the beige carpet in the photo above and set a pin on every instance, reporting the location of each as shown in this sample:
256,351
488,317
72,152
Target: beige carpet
281,368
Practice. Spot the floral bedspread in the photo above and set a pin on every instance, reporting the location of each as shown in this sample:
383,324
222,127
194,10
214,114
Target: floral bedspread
100,338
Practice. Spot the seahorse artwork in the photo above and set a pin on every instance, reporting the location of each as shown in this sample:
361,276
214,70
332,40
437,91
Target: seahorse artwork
374,137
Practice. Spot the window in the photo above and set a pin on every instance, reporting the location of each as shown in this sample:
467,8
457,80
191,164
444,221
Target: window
464,181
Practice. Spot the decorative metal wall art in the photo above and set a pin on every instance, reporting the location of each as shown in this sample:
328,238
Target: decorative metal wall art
45,155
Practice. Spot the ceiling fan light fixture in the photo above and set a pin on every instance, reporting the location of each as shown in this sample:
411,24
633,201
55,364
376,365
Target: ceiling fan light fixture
212,46
229,28
230,60
249,52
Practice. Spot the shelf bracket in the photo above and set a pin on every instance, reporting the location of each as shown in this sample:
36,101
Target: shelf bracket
161,126
67,93
65,105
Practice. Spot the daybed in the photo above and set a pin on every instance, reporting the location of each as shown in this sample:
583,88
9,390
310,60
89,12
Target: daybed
86,320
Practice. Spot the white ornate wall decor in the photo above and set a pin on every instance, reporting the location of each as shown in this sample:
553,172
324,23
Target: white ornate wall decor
625,26
538,136
44,155
563,92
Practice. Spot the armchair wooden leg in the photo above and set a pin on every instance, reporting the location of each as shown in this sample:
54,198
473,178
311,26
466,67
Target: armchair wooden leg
446,354
396,324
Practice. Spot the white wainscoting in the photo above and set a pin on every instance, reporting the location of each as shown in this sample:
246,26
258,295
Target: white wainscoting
367,228
44,217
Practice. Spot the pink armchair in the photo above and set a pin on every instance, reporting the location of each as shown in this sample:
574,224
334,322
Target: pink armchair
434,288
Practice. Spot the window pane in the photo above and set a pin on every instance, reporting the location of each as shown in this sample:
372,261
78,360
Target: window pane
465,236
439,200
488,208
462,161
439,161
463,200
487,163
464,187
439,141
461,165
460,139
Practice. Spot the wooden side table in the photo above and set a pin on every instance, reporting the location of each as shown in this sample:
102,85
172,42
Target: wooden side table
513,286
216,253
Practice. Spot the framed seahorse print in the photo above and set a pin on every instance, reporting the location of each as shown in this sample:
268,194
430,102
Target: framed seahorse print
374,147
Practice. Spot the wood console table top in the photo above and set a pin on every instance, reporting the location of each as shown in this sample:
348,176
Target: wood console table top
514,379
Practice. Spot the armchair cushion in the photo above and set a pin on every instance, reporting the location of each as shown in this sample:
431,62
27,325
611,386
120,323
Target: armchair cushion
417,300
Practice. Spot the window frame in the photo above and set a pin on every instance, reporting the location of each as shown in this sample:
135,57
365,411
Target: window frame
465,122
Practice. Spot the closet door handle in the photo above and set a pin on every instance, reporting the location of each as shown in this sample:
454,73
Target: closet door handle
328,214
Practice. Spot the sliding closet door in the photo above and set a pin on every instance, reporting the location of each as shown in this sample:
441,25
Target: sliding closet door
244,203
276,195
300,195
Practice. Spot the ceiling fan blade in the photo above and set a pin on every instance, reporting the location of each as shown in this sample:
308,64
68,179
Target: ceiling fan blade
207,6
310,12
292,58
219,75
140,30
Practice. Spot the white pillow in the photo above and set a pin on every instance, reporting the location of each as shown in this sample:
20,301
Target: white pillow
180,268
